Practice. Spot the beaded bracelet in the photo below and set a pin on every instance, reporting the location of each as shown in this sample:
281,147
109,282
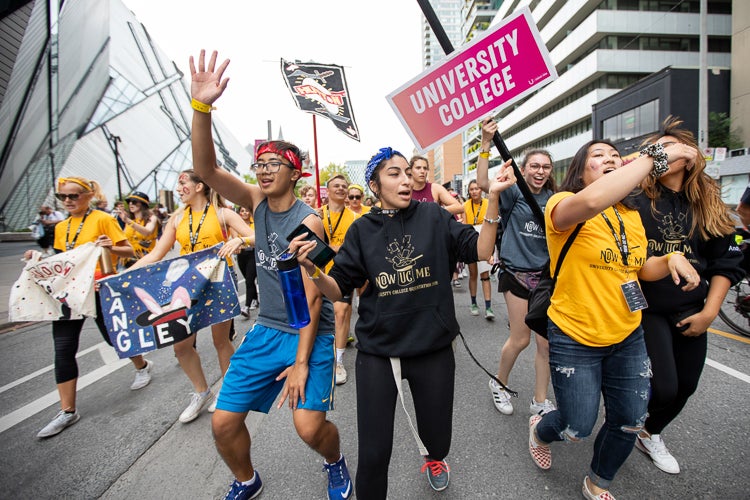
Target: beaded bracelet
656,151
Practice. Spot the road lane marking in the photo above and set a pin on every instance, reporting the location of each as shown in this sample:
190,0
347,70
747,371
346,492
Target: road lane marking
112,364
44,370
729,371
31,409
730,336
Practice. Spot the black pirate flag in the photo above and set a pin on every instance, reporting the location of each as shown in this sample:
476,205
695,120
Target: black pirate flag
321,89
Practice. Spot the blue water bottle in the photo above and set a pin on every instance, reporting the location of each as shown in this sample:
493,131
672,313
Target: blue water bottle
293,290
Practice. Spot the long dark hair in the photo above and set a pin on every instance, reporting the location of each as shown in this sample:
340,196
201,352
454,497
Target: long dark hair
573,180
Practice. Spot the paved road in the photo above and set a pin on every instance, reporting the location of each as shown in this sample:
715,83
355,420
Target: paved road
130,444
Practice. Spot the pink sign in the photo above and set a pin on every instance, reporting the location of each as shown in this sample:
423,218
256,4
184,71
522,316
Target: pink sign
505,64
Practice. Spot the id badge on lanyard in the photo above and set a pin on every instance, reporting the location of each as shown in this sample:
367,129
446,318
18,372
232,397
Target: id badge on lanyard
631,289
633,294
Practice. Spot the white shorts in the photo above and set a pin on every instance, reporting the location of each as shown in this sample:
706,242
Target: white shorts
482,266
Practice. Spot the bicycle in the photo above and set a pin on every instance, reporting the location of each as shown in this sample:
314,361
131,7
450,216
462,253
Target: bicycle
735,309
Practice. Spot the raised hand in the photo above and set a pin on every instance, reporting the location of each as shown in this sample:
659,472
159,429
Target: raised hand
489,127
681,155
505,179
207,82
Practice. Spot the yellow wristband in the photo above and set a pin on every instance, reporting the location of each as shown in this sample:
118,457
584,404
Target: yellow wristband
670,254
315,275
484,154
247,241
201,107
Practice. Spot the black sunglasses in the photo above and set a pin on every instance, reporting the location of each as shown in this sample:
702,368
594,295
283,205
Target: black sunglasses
355,196
71,197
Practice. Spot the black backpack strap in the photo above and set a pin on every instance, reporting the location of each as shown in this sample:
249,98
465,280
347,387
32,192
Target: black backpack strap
565,249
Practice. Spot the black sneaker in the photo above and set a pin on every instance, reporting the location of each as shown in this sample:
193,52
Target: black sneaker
438,473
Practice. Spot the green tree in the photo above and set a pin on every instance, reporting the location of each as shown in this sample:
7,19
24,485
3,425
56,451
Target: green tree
720,133
331,170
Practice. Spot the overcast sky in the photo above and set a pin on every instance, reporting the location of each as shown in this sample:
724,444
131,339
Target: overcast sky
377,42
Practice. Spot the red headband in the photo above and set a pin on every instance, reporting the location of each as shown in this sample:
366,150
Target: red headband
288,154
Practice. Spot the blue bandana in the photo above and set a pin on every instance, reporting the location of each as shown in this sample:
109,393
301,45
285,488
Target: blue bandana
382,155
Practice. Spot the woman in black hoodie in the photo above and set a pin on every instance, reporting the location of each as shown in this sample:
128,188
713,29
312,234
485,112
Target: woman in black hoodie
682,213
406,251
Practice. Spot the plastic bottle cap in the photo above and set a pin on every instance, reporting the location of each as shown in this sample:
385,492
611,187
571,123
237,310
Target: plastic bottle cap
287,261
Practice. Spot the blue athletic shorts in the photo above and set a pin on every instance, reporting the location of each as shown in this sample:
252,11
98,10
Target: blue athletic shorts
250,382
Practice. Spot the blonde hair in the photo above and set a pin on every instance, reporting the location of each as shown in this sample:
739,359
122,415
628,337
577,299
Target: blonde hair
89,186
710,214
212,196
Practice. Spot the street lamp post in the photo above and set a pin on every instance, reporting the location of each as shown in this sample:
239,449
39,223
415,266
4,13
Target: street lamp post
115,140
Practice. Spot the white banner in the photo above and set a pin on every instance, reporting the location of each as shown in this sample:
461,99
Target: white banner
60,286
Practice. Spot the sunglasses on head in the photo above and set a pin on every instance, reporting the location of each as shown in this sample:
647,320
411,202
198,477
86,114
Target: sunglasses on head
355,196
71,197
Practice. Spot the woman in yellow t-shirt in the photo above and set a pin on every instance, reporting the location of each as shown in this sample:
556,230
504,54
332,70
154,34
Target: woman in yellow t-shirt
595,337
356,193
246,263
475,209
85,224
141,226
201,223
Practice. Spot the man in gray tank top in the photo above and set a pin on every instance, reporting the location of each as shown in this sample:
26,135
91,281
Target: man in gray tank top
274,357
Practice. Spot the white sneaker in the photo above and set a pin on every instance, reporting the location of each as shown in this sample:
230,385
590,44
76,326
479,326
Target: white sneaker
253,304
197,403
501,398
61,421
212,406
589,495
340,374
541,408
655,448
142,376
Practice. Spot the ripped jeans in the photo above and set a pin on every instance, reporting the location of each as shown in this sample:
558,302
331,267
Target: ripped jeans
621,373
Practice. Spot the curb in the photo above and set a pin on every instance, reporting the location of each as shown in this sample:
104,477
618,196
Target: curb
13,326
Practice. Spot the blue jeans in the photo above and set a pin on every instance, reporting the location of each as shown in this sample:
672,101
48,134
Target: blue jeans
621,372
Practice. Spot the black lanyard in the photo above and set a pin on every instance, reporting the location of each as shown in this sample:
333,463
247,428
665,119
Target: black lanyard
476,215
194,237
70,245
622,243
332,229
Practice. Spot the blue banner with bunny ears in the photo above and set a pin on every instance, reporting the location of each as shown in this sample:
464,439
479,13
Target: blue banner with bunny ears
163,303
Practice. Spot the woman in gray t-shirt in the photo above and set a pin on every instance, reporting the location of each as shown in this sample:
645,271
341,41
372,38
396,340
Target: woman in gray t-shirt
522,256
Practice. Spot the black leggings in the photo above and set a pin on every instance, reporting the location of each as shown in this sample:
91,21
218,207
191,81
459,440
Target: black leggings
66,334
431,380
246,263
677,363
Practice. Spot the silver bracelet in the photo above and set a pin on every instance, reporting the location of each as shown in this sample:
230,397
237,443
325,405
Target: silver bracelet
494,221
660,157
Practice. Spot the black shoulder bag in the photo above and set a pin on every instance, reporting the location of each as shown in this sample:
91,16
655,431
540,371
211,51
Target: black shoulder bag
541,296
